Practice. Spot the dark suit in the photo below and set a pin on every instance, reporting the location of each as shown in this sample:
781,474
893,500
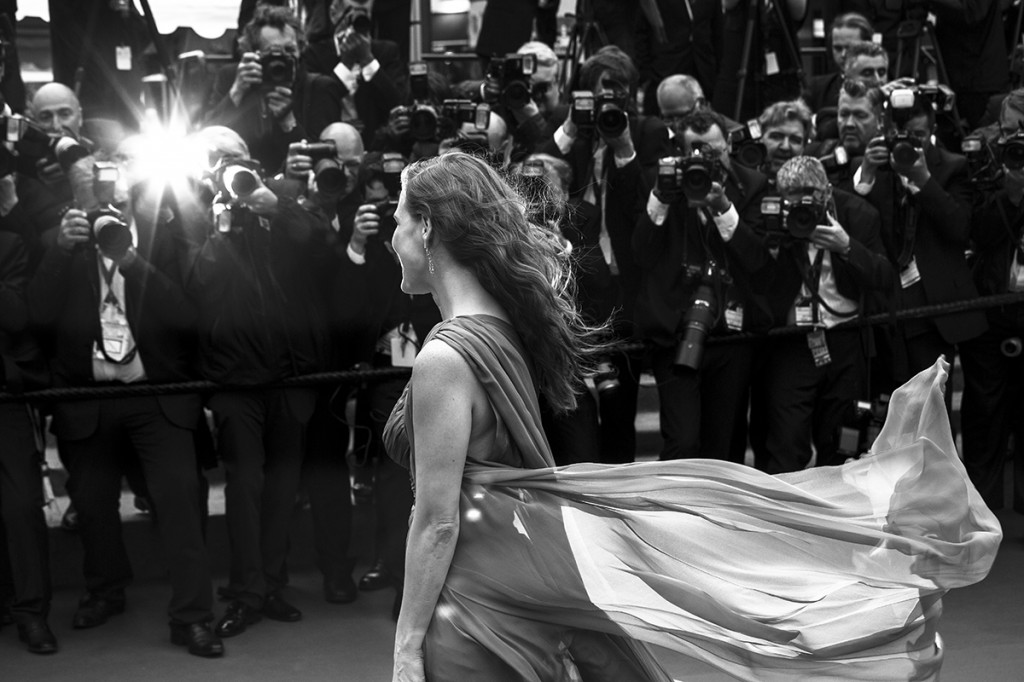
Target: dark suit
942,215
801,402
22,367
374,99
625,190
97,435
703,413
993,396
690,48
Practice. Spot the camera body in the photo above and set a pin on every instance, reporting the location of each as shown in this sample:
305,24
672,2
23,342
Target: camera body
278,67
330,177
693,175
109,231
31,144
512,73
792,220
606,113
856,437
1011,151
390,176
903,101
747,148
456,112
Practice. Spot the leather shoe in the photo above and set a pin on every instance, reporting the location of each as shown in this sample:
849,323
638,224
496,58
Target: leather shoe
377,578
199,639
340,590
276,608
36,635
236,619
94,610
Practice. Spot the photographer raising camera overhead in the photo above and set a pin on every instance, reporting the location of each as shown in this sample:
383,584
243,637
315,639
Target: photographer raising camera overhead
689,291
922,193
269,98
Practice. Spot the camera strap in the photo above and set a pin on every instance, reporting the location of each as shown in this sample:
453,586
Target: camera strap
115,343
909,213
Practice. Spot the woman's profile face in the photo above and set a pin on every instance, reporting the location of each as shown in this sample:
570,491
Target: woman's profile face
408,245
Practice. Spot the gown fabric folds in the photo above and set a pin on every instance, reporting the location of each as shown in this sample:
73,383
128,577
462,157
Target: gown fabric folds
568,573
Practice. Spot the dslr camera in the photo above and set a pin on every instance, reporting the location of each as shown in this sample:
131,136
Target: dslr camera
512,73
902,103
32,145
606,113
455,112
278,68
984,165
392,165
863,427
422,116
700,318
795,220
109,230
329,175
692,175
747,148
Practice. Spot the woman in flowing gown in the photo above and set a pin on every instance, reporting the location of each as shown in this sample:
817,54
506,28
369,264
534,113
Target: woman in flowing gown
518,570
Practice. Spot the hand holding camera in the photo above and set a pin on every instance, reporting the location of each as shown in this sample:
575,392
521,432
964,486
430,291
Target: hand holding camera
876,155
248,75
831,237
298,163
74,229
911,166
279,102
366,225
399,122
353,48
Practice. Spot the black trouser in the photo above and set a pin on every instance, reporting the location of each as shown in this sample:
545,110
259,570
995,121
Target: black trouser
326,477
704,413
618,411
21,508
802,403
392,490
261,443
137,427
993,401
574,436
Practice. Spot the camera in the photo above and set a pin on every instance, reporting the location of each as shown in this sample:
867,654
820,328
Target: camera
747,148
863,428
698,322
606,378
110,231
839,158
32,144
390,176
329,175
903,101
984,167
1011,151
803,216
278,68
512,73
419,83
455,112
693,175
606,113
237,179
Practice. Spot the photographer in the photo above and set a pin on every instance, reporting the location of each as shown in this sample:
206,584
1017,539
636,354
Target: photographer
268,98
992,362
786,129
690,291
370,71
255,278
110,294
822,91
22,367
829,262
859,119
613,156
866,62
922,193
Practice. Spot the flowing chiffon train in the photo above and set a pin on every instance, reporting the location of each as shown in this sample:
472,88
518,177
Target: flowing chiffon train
568,573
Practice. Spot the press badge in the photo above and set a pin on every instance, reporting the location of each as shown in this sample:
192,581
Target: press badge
403,347
123,58
805,313
117,340
771,64
819,348
909,276
734,317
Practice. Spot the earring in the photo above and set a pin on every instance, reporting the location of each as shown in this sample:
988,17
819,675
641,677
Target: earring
430,259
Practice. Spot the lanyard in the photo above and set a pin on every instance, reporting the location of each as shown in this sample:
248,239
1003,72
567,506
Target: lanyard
909,214
111,299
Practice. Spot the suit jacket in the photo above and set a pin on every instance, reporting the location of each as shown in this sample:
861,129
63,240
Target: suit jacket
22,366
943,213
996,232
669,253
64,298
864,272
374,99
626,191
823,91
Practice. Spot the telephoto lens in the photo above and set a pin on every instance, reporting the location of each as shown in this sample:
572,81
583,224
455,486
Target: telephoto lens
804,215
110,232
697,324
606,380
330,177
611,118
239,180
423,123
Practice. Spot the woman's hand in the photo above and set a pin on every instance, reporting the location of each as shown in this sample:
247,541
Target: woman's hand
409,667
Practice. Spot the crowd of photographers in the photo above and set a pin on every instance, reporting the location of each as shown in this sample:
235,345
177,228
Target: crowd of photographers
267,256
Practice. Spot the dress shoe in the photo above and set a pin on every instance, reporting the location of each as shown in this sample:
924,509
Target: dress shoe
340,590
94,610
199,639
236,619
377,578
36,635
276,608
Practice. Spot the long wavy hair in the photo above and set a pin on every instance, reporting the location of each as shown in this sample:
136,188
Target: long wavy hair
482,221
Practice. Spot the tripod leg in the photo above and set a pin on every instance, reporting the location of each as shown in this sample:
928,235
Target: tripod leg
944,77
741,74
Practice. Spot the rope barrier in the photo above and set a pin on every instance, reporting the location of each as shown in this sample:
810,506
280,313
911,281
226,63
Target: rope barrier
383,373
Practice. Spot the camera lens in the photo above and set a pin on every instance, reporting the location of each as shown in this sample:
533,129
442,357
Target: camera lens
423,124
330,178
240,181
751,154
611,119
802,220
1013,154
697,323
516,95
697,180
112,234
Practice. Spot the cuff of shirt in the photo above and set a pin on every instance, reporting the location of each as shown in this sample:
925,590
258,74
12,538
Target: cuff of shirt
563,140
357,258
727,222
656,210
622,163
347,76
370,70
862,188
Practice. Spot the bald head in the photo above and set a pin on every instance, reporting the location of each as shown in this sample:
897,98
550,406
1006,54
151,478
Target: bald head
346,138
678,95
56,108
